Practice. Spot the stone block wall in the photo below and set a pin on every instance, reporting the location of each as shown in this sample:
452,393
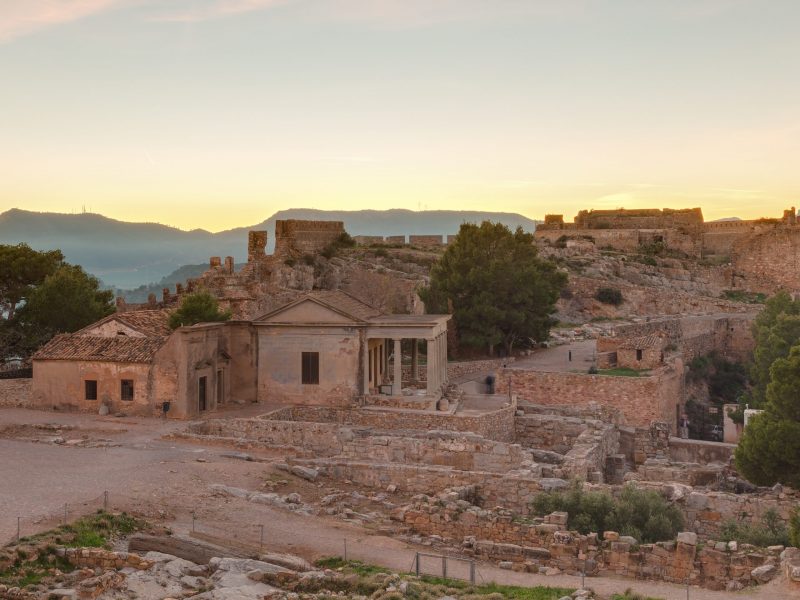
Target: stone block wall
698,451
640,400
425,240
294,237
548,432
531,546
460,368
495,425
15,392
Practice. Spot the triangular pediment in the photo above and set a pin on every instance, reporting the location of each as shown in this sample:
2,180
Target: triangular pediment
308,310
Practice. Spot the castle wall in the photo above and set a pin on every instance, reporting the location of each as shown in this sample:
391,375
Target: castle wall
769,261
296,238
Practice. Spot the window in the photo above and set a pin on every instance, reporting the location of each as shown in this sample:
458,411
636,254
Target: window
639,354
311,368
91,389
126,389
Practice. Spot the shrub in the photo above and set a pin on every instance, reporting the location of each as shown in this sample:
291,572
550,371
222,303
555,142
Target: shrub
642,514
794,528
309,260
344,240
769,531
608,295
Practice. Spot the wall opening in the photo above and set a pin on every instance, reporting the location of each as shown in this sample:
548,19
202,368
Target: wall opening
310,368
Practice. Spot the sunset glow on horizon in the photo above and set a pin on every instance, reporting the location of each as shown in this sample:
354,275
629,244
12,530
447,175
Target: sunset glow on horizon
215,114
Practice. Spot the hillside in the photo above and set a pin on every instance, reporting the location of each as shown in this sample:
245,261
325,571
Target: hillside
128,255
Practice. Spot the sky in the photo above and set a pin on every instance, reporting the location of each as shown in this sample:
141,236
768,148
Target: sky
217,113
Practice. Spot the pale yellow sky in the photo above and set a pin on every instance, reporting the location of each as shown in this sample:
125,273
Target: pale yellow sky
217,113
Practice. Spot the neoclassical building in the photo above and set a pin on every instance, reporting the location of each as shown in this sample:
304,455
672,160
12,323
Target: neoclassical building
325,348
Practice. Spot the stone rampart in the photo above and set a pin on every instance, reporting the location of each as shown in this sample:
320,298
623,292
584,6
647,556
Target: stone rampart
295,237
15,392
433,241
699,451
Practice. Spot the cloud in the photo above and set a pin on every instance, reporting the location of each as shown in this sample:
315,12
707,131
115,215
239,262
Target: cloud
217,9
22,17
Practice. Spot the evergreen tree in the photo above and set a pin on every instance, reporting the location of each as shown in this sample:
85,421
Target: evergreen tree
198,307
499,290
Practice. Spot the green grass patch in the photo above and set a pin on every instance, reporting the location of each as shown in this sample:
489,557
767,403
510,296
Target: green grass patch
353,566
621,372
430,587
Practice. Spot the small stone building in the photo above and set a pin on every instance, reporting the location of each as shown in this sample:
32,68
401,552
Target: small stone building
326,347
644,352
133,362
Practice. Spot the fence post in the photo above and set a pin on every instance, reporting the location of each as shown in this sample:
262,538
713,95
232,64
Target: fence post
105,501
194,517
472,572
416,563
65,513
18,528
261,540
444,567
345,549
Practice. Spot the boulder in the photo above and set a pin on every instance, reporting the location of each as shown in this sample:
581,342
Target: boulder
687,537
764,573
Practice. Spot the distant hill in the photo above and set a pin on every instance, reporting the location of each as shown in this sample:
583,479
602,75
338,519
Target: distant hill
127,255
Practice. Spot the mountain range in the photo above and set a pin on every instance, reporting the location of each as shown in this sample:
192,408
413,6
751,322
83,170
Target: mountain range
127,255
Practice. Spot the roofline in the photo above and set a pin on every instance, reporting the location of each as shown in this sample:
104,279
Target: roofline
312,298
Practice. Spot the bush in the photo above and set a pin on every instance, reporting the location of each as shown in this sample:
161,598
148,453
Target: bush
794,528
344,240
642,514
608,295
769,531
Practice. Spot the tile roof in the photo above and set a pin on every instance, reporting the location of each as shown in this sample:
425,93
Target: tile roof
346,303
337,300
71,346
151,323
642,342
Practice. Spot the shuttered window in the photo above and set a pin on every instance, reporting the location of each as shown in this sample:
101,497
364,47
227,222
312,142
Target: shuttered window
91,389
126,389
310,368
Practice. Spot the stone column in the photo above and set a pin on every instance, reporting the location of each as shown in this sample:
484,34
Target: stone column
397,380
430,386
445,378
366,359
414,360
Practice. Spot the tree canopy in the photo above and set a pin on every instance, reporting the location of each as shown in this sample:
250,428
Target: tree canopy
198,307
41,295
496,286
769,451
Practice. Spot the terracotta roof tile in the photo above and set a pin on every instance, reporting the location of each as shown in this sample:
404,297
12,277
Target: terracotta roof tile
642,342
151,323
71,346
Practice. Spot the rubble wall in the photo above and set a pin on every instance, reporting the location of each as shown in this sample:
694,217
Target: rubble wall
15,392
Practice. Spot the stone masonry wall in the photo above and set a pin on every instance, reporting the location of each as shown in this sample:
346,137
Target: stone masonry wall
641,400
458,450
495,425
15,392
534,546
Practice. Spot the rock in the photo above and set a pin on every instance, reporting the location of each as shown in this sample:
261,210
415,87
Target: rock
293,498
764,573
304,472
62,593
733,545
103,410
775,549
505,564
720,546
687,537
237,455
391,488
548,484
611,536
288,561
552,571
733,586
628,540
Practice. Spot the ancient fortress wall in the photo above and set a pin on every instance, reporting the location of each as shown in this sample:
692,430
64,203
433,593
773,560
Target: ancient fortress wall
769,260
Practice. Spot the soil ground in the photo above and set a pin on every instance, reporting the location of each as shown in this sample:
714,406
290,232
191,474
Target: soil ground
169,480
